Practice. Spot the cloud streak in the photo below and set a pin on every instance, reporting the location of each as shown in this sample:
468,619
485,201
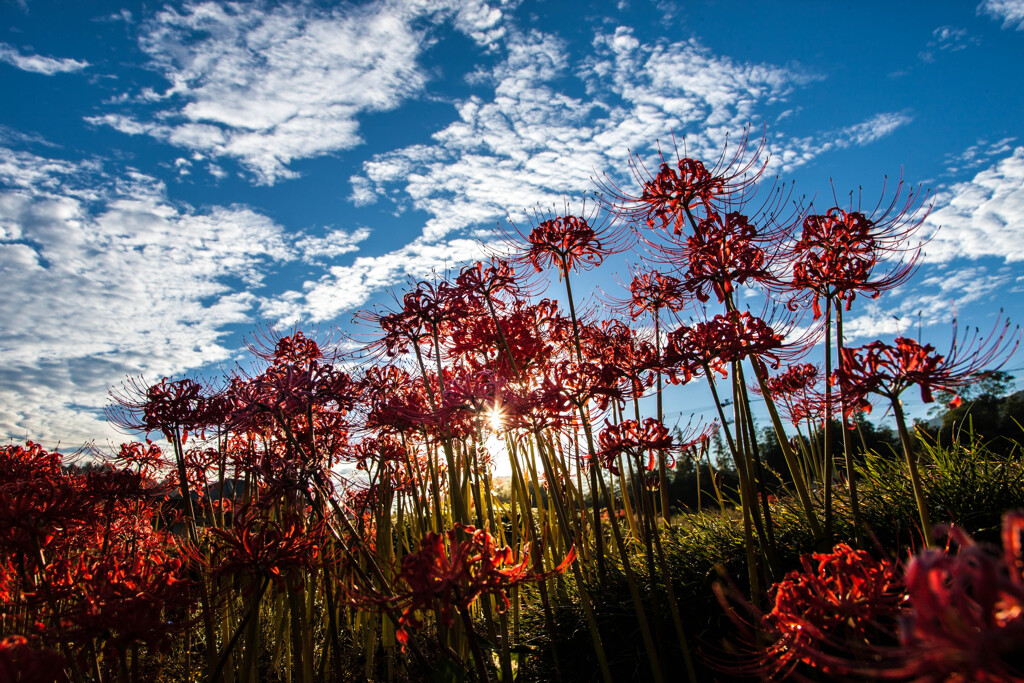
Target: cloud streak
48,66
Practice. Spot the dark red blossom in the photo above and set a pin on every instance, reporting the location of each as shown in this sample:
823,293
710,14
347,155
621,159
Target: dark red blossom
723,339
888,369
838,252
722,253
23,662
829,616
260,546
967,616
636,439
653,291
565,243
444,575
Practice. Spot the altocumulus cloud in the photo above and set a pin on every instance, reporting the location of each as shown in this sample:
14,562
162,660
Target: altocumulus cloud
981,217
267,84
113,279
531,143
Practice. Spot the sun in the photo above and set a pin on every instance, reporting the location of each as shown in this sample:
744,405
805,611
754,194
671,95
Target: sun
495,419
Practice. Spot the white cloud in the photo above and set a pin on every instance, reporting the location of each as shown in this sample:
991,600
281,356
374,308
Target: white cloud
331,245
268,84
345,288
980,217
47,66
948,39
799,151
978,154
532,144
105,278
1011,12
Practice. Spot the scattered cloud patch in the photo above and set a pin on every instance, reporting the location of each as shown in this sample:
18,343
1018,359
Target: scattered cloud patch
113,279
980,217
978,155
946,39
269,84
531,145
799,151
1010,12
48,66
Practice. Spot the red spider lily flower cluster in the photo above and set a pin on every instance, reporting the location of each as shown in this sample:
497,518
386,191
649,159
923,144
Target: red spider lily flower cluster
947,616
565,243
81,565
837,600
655,291
722,253
673,196
260,546
636,439
888,369
441,576
723,339
967,616
838,251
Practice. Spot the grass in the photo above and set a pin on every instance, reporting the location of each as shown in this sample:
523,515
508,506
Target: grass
965,484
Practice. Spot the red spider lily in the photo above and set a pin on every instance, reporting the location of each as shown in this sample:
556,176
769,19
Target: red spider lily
654,291
797,379
723,252
489,280
22,662
38,501
262,547
723,339
633,438
838,251
425,312
617,348
675,196
966,621
797,390
827,615
440,579
511,342
175,409
120,598
297,349
147,459
565,243
888,369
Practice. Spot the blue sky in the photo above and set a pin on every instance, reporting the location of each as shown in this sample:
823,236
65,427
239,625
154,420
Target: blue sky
174,174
